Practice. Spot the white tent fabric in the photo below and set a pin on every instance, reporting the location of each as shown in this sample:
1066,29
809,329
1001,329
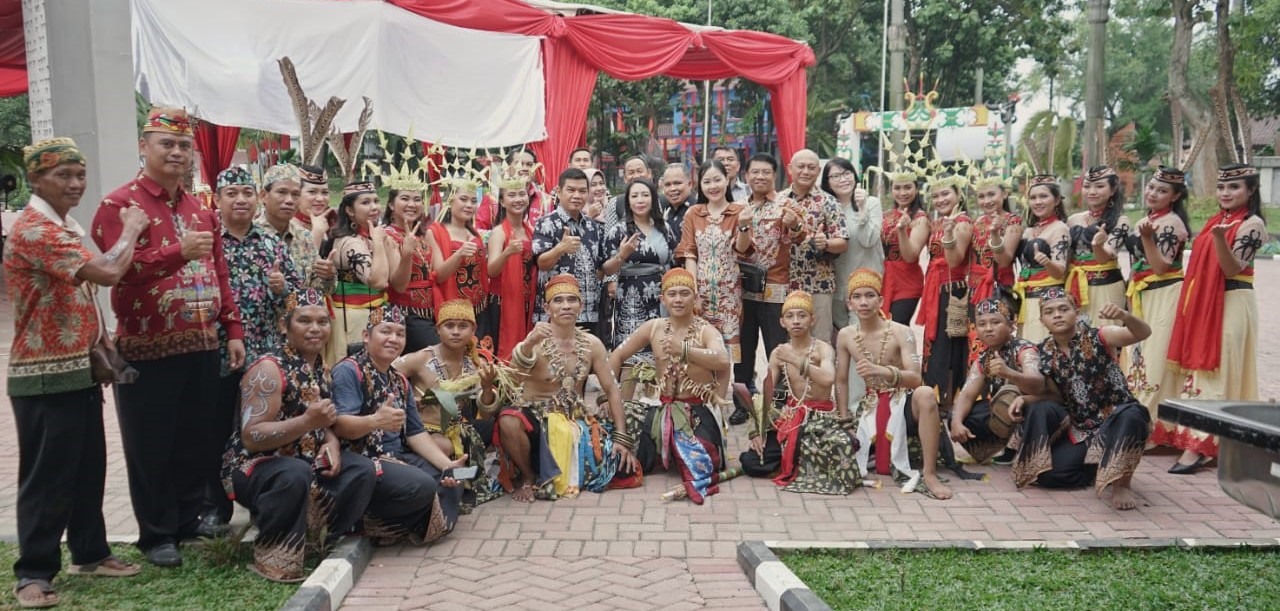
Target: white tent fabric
448,85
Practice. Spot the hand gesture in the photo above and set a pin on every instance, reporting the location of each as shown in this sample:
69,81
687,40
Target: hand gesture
789,217
324,269
275,279
449,482
959,432
996,367
134,219
1220,230
859,196
488,375
570,243
514,248
867,370
1100,238
410,243
388,417
997,233
948,228
746,217
321,413
197,244
629,246
594,209
541,331
819,242
1043,259
377,233
319,224
467,250
1112,311
1146,229
903,223
1015,409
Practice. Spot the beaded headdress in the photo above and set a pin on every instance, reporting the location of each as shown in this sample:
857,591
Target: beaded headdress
312,175
559,285
359,186
798,300
863,278
1237,173
388,313
284,172
1056,292
168,121
994,305
1042,179
51,153
456,309
234,175
1099,173
678,276
304,298
1170,175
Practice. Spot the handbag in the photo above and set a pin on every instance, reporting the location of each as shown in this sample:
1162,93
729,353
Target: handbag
752,277
106,366
957,311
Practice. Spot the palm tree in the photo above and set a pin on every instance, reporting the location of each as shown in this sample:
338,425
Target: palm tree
1048,142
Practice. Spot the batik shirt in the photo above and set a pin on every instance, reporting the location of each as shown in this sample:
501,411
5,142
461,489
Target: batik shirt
813,270
582,265
1088,378
359,389
301,383
55,323
165,304
772,249
249,261
1015,353
300,244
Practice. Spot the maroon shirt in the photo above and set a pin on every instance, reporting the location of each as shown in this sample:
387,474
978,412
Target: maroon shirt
166,305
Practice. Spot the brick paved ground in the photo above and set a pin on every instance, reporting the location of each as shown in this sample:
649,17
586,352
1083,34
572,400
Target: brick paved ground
629,550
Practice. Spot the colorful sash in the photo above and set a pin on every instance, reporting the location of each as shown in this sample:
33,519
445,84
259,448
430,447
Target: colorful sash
1078,278
1140,282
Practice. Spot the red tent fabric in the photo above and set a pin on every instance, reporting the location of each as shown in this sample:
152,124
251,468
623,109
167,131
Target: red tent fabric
633,47
13,50
217,145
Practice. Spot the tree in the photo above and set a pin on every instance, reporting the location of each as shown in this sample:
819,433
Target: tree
1257,64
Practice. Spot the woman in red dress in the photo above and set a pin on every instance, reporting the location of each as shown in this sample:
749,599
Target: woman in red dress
996,233
510,265
904,234
459,267
409,287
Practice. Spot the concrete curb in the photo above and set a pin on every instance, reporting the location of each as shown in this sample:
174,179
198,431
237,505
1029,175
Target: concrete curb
783,591
330,582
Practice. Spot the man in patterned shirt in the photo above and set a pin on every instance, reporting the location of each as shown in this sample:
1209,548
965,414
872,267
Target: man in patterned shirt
813,260
170,306
566,241
261,274
281,193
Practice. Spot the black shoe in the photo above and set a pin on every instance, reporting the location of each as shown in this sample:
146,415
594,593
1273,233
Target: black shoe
1181,469
212,526
739,416
165,554
1005,458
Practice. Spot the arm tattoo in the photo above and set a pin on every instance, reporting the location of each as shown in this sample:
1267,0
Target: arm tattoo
255,397
115,252
259,437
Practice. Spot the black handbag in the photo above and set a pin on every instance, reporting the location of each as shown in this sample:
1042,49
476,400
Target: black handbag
752,277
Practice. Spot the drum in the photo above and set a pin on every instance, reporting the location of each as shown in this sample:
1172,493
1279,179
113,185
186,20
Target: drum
1000,422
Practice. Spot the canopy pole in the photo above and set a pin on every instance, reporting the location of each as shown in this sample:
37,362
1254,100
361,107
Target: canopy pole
706,105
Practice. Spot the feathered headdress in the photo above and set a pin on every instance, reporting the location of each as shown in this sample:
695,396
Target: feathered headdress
315,124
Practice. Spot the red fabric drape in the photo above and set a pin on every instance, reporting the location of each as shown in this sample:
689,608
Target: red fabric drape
217,145
13,49
633,47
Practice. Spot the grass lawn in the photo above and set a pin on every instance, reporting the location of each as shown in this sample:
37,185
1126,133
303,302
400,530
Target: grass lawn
202,582
1042,579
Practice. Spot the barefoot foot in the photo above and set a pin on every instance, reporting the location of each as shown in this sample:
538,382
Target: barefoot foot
523,494
936,488
1122,498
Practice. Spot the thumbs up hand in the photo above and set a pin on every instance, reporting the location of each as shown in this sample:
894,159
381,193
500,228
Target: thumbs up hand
275,279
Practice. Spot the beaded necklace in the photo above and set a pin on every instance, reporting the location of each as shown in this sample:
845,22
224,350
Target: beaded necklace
884,343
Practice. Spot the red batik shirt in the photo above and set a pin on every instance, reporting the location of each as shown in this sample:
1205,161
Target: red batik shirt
166,305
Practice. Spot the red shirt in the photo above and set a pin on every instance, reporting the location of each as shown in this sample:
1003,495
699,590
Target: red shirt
166,305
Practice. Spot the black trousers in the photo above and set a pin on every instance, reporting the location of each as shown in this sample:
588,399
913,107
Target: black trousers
419,333
62,471
227,418
756,465
403,496
168,423
902,310
277,494
758,318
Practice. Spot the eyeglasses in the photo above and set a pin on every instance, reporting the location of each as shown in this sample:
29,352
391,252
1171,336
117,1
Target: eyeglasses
840,176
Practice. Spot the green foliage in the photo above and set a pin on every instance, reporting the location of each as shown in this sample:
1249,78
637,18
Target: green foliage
1257,67
1049,143
1042,579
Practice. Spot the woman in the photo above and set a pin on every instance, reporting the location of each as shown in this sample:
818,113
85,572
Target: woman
1043,252
1156,282
712,238
511,266
904,233
643,250
995,239
460,269
1215,334
410,266
358,247
1097,234
598,197
521,165
950,232
56,398
862,217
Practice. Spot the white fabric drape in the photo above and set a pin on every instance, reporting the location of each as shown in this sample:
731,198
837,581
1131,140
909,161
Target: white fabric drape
449,85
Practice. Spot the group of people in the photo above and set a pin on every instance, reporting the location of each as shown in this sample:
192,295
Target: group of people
381,368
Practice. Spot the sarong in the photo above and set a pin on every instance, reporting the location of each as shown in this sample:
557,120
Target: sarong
681,433
985,444
817,454
884,419
1051,458
569,451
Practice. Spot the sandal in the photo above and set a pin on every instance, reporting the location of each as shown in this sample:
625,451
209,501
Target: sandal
253,566
104,568
48,597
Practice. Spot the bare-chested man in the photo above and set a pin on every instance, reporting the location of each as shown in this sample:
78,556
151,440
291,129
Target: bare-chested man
817,448
536,436
879,356
693,372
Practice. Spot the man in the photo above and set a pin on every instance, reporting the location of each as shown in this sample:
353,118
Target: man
813,261
693,370
57,402
315,214
676,188
817,449
728,157
876,365
263,274
459,418
775,225
1005,360
1097,433
284,464
170,306
538,435
580,158
567,241
281,191
416,496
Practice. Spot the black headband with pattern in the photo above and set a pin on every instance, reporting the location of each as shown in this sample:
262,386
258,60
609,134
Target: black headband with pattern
1237,173
994,305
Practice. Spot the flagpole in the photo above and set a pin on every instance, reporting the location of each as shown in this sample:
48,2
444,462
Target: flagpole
706,105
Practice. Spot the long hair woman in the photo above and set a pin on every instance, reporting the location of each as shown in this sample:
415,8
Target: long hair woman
1098,234
1043,252
863,218
643,249
904,232
409,265
358,247
996,232
710,243
1215,334
459,265
950,234
511,266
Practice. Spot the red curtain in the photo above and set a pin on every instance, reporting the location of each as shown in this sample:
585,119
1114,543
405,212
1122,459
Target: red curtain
633,47
217,145
13,50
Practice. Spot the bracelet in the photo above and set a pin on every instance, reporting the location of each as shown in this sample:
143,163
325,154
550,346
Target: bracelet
520,358
897,376
623,439
488,407
744,228
948,244
998,245
684,351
